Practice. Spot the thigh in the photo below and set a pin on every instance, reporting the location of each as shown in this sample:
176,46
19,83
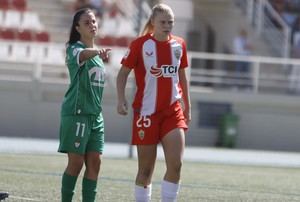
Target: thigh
146,156
145,129
96,139
173,145
74,134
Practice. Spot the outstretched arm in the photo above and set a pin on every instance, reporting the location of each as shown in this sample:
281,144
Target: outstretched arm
92,52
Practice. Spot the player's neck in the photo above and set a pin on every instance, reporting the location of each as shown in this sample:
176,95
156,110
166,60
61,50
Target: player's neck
88,42
159,37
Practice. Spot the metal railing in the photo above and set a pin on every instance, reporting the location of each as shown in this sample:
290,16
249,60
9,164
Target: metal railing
211,70
266,74
268,24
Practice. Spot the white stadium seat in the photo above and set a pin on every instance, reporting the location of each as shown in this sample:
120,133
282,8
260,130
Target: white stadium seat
12,19
31,21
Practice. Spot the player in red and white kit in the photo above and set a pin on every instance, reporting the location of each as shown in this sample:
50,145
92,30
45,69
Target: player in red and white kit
159,60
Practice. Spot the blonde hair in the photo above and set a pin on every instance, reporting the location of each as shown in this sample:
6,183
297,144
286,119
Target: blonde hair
158,8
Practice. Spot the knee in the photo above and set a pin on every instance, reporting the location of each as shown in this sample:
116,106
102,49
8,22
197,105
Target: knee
145,174
93,164
176,166
74,166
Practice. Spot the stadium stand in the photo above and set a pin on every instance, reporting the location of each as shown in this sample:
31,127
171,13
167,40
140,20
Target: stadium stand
20,5
4,5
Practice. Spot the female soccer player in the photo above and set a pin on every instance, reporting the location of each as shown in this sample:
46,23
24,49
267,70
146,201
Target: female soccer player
82,126
159,60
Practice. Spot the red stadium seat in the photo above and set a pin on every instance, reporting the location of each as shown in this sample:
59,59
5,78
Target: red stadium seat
106,41
24,35
20,5
8,34
42,36
122,41
4,4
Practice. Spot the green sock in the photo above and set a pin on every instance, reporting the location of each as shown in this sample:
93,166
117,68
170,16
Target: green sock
67,188
89,190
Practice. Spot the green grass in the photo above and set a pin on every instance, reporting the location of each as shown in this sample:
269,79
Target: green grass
37,177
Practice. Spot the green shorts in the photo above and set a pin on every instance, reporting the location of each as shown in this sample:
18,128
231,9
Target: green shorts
81,134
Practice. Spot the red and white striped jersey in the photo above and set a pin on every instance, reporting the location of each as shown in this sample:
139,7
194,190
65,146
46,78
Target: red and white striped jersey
156,65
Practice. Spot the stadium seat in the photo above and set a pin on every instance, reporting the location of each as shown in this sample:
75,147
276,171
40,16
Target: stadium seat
5,50
7,34
12,19
31,21
4,4
1,17
37,51
55,55
42,36
20,51
106,41
122,41
24,35
20,5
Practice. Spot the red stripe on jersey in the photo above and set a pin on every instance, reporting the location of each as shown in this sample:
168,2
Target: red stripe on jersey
164,94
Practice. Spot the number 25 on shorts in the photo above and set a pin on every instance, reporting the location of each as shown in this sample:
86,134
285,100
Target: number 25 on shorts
143,121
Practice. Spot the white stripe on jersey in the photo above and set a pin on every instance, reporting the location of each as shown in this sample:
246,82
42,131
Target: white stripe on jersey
150,90
176,48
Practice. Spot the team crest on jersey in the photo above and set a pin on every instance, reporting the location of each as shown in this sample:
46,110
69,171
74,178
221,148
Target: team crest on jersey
75,51
77,144
177,53
141,134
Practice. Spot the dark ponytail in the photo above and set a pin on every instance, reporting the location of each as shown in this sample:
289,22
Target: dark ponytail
74,34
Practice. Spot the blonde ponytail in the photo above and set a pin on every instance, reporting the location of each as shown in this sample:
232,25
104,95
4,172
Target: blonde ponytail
148,28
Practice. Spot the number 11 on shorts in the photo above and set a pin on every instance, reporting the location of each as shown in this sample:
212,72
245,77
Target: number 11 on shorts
80,127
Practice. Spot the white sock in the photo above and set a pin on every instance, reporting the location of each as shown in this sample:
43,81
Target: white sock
169,191
143,194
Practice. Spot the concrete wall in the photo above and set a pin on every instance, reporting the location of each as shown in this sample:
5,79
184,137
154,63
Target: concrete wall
267,122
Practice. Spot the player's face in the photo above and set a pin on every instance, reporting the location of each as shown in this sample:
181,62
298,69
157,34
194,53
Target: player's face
87,25
163,24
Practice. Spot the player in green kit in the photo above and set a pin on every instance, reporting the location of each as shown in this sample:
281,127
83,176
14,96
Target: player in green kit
82,126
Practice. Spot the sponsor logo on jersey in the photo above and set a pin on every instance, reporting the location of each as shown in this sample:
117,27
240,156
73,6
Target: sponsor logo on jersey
155,71
164,70
97,76
141,134
149,54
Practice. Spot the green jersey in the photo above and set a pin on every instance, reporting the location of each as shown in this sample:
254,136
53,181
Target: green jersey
84,95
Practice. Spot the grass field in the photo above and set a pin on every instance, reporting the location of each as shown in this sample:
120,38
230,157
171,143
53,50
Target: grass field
37,178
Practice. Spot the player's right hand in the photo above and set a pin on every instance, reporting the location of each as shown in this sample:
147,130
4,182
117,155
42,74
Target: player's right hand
104,53
122,108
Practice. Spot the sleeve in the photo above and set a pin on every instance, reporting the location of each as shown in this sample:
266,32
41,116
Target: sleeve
184,59
131,57
73,53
